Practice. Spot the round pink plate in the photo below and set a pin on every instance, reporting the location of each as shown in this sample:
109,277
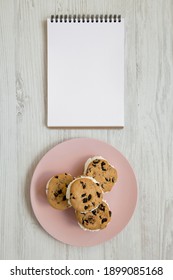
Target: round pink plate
70,157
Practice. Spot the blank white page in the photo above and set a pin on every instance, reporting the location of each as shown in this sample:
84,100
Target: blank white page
85,74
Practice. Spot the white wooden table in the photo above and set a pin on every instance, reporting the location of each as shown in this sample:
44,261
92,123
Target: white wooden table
146,141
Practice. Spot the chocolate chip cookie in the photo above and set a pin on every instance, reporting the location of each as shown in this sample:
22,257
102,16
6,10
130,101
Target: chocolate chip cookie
56,191
96,219
101,170
84,194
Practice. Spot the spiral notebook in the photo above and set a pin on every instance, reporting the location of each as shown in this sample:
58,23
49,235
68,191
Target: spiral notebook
85,71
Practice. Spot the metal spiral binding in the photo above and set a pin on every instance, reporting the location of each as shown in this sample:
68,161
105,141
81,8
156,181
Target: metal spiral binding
85,18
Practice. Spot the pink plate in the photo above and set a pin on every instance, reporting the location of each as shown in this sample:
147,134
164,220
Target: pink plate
70,157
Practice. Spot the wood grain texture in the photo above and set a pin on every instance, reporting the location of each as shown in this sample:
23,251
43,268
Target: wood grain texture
146,140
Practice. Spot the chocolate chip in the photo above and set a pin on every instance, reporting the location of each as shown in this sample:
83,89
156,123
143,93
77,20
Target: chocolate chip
97,184
73,197
98,194
85,207
56,194
91,220
84,194
85,200
89,197
83,184
94,212
107,179
64,197
66,185
60,191
96,161
104,220
56,177
110,213
66,174
94,165
102,166
93,203
103,169
102,207
113,180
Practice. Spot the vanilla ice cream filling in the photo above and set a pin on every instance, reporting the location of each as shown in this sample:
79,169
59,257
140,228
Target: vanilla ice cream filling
87,229
47,185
